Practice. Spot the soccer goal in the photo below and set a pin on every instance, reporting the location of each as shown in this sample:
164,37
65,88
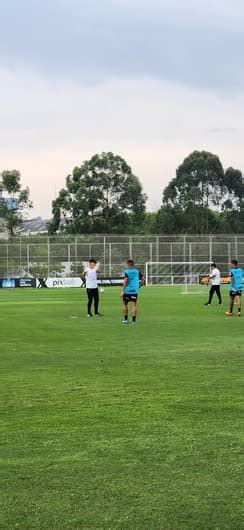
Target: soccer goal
187,274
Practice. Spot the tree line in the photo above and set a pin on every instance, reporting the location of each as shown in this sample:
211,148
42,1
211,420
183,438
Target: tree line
104,196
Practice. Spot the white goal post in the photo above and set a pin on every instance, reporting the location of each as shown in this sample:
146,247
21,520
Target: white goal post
184,273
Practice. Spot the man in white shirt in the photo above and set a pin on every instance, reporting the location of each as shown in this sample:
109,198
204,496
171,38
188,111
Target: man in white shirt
215,280
90,274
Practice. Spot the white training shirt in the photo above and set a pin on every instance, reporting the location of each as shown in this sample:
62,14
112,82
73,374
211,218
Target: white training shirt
217,279
91,278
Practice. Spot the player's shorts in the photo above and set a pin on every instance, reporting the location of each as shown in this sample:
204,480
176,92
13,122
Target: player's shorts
235,293
130,298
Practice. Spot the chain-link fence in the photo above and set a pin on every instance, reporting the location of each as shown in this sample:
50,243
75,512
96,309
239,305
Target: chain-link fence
63,255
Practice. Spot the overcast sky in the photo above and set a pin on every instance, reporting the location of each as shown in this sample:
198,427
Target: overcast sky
151,81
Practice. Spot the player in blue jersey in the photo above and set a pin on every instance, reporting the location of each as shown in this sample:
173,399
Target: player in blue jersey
133,280
235,287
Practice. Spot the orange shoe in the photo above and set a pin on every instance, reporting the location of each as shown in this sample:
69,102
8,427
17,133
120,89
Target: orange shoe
239,314
229,314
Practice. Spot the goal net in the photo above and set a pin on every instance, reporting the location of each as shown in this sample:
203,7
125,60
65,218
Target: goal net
187,274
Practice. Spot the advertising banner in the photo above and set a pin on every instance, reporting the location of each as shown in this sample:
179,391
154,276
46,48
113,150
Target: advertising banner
7,283
55,283
25,282
204,279
110,281
11,283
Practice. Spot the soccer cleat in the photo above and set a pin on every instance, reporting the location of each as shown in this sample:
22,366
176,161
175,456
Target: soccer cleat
239,314
207,303
229,314
98,315
133,322
89,315
124,321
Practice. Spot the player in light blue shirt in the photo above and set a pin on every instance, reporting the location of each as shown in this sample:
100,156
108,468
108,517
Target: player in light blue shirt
132,282
235,287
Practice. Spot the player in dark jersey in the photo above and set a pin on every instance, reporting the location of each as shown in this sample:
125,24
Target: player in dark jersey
132,282
235,287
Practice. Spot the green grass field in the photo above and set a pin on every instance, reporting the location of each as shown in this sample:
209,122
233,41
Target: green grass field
105,426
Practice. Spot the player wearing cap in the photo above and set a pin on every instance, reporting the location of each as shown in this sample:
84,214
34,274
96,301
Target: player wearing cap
215,280
90,274
235,287
132,282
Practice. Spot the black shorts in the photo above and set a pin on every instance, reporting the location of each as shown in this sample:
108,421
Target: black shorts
130,298
235,293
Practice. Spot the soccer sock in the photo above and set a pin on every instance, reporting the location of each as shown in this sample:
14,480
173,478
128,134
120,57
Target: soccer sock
231,307
125,317
133,319
239,309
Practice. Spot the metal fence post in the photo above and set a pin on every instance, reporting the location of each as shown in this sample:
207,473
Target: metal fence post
190,258
7,260
236,247
184,253
210,248
20,252
104,255
76,257
229,253
69,258
110,259
157,248
171,258
28,257
48,256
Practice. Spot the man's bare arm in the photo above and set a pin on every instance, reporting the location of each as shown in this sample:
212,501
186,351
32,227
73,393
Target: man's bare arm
125,282
142,281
